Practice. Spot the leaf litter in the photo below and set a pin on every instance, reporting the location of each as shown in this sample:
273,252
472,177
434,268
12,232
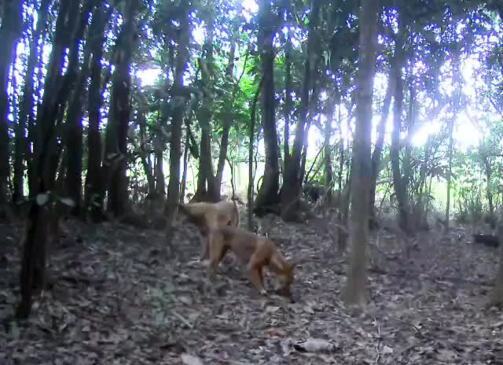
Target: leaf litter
119,295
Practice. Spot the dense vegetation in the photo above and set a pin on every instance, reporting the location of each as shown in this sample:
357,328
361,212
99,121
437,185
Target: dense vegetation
363,107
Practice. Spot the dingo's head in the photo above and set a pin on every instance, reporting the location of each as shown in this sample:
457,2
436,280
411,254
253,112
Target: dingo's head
286,279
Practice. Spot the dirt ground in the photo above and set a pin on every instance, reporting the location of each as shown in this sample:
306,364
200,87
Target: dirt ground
119,295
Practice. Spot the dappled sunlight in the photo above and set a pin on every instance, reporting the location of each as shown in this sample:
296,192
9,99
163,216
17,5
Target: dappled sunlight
426,131
149,76
467,133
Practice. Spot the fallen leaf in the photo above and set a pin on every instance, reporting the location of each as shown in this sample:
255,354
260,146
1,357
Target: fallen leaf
315,345
188,359
386,350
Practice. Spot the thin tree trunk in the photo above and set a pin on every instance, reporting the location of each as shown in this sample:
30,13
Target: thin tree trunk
398,181
205,182
292,183
251,134
407,167
206,189
94,189
450,127
268,197
376,155
342,212
227,120
423,184
10,31
222,157
288,97
116,141
327,150
489,193
32,275
74,128
315,166
144,153
177,118
160,184
21,145
450,130
355,291
185,166
496,297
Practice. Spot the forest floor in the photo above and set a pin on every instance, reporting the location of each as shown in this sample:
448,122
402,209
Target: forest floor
119,296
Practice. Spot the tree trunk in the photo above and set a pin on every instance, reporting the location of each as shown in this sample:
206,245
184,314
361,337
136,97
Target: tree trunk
158,179
10,30
497,293
227,121
175,148
185,166
251,138
412,222
32,276
205,181
450,129
355,291
160,185
268,197
21,145
342,211
116,142
224,146
94,189
74,129
327,153
489,194
423,192
206,188
144,153
288,97
376,155
398,181
292,182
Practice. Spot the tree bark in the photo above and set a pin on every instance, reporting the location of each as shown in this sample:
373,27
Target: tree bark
94,188
227,120
292,182
206,187
355,291
497,293
32,275
160,185
268,197
21,143
205,180
376,155
182,58
288,97
10,31
398,181
74,128
185,167
327,150
251,138
489,193
450,129
116,136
